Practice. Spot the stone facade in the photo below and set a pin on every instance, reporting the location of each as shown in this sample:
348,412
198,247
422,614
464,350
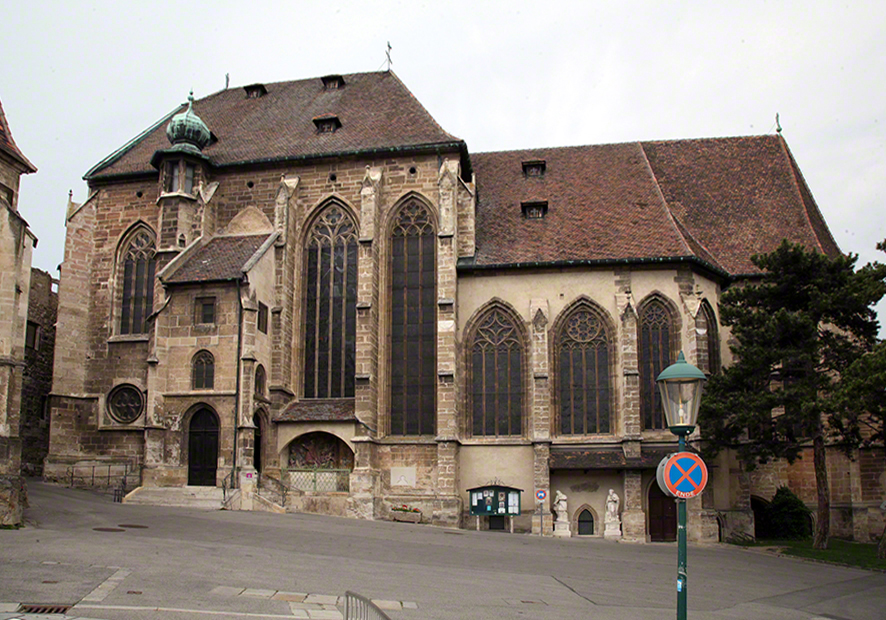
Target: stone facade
16,246
231,226
37,380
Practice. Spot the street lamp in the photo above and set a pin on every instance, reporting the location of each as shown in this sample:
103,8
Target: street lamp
680,385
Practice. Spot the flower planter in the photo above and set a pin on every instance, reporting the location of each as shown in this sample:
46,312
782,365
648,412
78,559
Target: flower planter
407,517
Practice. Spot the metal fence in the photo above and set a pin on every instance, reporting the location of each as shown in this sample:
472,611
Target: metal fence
320,480
359,607
117,475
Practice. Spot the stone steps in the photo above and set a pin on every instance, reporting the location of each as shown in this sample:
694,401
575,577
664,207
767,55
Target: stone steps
204,498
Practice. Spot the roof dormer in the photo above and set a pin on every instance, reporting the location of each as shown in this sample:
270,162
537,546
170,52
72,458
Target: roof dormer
534,168
535,210
254,91
327,123
333,82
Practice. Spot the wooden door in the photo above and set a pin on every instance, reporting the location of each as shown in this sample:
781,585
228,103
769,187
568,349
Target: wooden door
202,449
662,512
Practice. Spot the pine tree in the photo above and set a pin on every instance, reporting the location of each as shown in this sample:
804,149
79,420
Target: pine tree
794,331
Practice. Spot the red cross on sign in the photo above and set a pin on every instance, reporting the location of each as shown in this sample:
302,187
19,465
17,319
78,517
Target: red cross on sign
684,475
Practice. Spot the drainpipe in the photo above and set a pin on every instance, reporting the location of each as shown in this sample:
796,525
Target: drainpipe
239,370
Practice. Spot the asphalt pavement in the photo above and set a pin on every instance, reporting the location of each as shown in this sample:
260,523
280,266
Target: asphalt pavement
110,561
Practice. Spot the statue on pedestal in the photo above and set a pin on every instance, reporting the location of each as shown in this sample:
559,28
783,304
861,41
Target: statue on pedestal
561,524
612,519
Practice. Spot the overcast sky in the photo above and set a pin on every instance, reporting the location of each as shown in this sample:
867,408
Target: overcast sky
80,79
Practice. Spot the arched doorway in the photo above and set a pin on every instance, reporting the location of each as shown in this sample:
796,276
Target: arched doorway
202,448
662,512
762,529
256,448
585,523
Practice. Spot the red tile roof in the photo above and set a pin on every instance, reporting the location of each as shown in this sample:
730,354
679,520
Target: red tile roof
326,410
718,201
377,113
221,259
8,146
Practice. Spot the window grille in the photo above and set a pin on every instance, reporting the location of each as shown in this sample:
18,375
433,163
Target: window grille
204,371
138,283
656,330
497,377
413,323
585,383
330,306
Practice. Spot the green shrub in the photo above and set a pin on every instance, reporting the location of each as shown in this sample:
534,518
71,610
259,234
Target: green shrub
788,517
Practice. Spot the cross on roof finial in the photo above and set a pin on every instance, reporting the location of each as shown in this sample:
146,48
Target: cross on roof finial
388,56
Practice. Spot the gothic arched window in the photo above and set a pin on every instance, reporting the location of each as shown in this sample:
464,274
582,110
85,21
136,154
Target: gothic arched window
585,384
330,305
496,364
708,339
413,322
260,381
137,301
656,354
203,367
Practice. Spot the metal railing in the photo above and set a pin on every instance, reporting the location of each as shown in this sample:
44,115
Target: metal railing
359,607
320,480
272,489
229,483
110,476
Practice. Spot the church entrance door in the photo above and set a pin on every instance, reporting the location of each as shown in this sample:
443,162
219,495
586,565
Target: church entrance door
662,516
202,449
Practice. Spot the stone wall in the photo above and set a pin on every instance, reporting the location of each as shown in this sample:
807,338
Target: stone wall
37,382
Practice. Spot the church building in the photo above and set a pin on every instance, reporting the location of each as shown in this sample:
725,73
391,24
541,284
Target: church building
308,296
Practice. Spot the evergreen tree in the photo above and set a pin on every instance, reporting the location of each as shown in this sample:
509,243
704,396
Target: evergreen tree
794,331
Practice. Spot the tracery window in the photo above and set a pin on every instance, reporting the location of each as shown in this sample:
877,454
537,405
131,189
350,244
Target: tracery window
496,377
413,322
585,384
656,354
137,301
203,371
330,305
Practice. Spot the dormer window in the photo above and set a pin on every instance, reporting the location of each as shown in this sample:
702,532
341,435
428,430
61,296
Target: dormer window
534,168
534,210
333,82
254,91
180,177
327,123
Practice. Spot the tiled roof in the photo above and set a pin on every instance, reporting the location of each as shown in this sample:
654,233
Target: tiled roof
718,200
605,458
222,258
8,146
376,111
333,410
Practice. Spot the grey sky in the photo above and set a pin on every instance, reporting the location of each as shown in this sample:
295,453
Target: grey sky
78,80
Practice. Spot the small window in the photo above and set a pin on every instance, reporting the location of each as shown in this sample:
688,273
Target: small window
535,168
333,82
6,194
260,381
534,210
189,178
32,336
204,371
125,403
172,176
205,310
254,91
262,318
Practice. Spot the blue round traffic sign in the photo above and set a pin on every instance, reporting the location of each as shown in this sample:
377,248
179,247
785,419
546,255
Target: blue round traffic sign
684,475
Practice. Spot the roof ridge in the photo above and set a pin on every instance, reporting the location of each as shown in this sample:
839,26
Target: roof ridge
625,143
664,201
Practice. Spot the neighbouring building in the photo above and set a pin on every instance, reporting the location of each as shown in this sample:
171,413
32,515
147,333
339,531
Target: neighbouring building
16,245
37,373
311,287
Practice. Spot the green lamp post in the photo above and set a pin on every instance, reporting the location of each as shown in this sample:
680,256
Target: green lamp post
680,385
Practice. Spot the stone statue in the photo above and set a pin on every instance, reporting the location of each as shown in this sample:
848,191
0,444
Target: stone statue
561,524
613,521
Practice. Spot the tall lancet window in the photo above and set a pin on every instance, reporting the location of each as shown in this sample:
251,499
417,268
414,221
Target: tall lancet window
656,354
413,322
496,376
137,299
330,305
584,378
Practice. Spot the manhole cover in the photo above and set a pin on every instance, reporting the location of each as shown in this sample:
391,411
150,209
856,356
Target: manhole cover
133,526
108,529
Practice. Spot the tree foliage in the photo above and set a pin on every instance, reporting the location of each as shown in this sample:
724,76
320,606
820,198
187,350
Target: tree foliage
794,331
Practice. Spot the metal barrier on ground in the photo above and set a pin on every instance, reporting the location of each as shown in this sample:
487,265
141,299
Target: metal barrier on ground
359,607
